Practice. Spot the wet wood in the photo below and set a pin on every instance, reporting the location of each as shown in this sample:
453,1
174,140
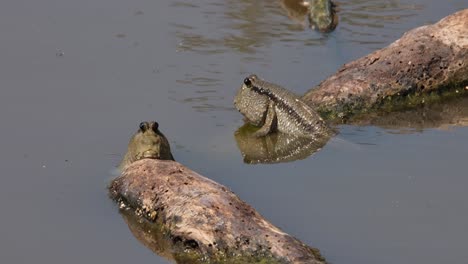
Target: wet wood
427,64
203,216
443,116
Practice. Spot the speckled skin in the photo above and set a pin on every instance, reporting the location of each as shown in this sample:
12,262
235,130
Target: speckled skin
147,142
322,15
276,109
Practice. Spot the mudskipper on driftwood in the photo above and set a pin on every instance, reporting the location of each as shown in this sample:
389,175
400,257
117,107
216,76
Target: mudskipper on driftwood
187,218
301,130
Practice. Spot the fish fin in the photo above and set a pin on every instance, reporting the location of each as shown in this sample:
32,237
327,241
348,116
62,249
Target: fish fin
270,124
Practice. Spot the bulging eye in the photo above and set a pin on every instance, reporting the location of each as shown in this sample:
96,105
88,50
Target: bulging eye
247,81
155,126
143,126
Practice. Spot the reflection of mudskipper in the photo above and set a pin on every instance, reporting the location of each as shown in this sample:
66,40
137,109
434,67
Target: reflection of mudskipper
187,218
275,147
296,10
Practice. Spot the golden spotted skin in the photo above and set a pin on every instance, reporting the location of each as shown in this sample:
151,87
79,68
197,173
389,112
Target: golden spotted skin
274,108
147,142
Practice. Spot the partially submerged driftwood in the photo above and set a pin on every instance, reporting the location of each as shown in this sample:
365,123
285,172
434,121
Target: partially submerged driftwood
427,63
441,115
204,221
196,220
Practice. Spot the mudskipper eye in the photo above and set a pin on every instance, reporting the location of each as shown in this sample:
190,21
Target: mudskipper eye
143,126
247,82
155,126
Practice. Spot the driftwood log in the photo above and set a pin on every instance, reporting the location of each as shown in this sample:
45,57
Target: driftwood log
427,64
203,221
190,219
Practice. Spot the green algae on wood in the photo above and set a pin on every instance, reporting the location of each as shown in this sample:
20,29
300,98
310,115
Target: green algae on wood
349,112
204,216
427,64
195,218
157,237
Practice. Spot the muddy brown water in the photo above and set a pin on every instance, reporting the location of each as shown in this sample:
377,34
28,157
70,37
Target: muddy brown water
78,76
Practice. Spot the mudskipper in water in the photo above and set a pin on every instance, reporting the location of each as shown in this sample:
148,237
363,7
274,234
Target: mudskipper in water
147,142
275,109
322,15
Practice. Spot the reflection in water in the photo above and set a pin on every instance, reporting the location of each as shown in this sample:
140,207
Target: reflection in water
148,234
373,23
278,147
151,235
248,24
442,115
247,27
275,147
295,9
234,27
201,101
201,93
250,28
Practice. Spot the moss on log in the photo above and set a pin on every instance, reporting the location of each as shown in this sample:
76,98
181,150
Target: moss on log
427,64
202,220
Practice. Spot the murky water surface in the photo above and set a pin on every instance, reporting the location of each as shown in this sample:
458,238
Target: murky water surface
78,76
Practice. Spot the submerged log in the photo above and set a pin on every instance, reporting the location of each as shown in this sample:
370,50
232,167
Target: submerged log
442,115
427,64
202,220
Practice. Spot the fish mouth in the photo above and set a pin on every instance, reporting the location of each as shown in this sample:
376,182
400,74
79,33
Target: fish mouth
149,154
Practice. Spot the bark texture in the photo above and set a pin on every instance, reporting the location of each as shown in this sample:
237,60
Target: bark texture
426,64
204,217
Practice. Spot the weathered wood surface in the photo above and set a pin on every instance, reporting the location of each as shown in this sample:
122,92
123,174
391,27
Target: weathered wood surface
427,63
205,217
